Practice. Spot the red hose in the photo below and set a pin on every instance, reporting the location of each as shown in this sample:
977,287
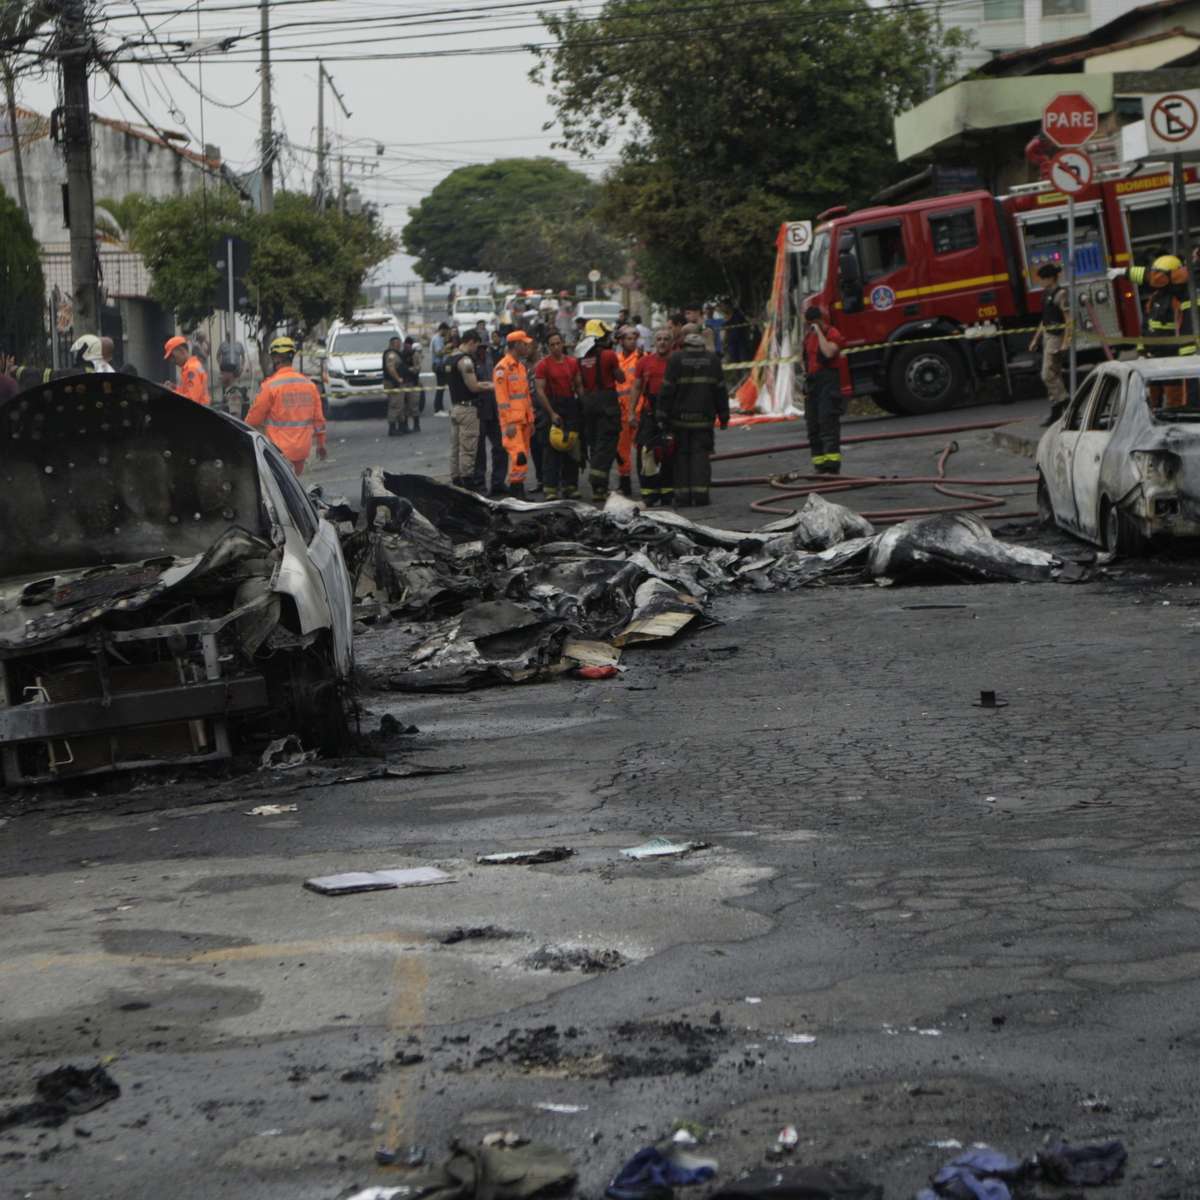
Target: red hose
825,484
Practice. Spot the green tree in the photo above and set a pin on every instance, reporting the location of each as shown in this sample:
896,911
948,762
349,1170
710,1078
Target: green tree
125,212
176,236
306,265
451,227
771,112
22,329
538,250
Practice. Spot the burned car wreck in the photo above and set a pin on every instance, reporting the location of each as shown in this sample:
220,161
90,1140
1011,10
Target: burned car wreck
1121,466
167,589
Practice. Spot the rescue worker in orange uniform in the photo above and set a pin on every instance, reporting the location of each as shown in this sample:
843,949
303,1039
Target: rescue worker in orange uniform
628,355
288,408
514,402
193,378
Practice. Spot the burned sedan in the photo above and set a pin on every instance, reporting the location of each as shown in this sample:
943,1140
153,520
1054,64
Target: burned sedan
1122,464
167,591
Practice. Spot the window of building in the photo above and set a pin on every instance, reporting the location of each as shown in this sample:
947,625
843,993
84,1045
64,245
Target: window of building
1064,8
1003,10
953,231
882,250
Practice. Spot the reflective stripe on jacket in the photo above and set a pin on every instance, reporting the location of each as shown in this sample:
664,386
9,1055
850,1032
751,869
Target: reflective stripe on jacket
288,408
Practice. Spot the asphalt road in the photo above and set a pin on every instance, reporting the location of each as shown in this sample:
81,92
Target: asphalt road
917,921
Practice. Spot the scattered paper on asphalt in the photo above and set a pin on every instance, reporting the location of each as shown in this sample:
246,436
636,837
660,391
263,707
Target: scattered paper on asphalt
561,1108
661,847
376,881
270,810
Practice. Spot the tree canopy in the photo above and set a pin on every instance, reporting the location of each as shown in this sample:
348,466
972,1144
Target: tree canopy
23,303
305,265
768,112
504,218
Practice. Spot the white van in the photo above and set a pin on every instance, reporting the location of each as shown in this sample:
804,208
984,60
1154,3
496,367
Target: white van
352,369
468,311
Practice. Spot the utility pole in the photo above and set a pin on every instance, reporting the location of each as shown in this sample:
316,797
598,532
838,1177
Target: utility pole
267,198
342,184
322,182
77,148
10,98
321,188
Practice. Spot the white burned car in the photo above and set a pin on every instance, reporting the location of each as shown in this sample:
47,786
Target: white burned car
1122,464
167,589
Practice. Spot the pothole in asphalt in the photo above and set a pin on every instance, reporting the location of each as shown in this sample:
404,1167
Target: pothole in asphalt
574,958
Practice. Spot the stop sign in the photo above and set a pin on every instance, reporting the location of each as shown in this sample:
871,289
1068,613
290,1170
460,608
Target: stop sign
1070,119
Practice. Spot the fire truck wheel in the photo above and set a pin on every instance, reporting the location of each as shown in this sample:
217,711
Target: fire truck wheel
927,378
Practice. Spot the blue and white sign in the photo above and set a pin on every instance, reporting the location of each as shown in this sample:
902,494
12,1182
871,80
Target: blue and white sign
882,297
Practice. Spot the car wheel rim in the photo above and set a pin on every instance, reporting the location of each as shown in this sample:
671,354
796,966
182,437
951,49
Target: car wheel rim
928,376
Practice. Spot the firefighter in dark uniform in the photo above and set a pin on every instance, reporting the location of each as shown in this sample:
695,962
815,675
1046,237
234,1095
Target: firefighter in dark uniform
1164,314
693,395
823,402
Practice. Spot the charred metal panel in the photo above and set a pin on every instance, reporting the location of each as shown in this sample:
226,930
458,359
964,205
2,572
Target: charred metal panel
99,469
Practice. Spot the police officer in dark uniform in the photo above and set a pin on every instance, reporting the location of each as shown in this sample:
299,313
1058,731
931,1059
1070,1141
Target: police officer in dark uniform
693,395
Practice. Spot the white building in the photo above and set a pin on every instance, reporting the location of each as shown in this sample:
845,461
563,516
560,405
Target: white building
1002,25
126,159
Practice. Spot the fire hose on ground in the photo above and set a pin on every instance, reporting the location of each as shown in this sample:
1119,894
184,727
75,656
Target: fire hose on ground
826,485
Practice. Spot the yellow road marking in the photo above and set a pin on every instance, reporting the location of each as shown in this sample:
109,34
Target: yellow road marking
410,981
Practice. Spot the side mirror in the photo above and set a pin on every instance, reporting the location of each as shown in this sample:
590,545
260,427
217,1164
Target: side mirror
850,281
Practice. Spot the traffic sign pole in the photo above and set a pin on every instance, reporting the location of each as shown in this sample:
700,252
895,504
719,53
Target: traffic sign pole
1071,369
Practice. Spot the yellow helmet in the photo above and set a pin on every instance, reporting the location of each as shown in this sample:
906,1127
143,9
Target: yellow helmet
563,441
1167,269
283,345
595,328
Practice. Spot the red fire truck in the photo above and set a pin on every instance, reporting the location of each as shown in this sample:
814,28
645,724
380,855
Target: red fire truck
894,275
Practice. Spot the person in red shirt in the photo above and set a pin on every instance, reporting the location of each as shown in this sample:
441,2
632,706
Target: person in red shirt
654,477
823,402
558,388
601,374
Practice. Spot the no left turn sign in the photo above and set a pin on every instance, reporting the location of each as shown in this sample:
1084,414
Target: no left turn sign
1071,171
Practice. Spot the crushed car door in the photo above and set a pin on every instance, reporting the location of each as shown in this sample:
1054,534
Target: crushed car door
322,595
1062,460
1099,420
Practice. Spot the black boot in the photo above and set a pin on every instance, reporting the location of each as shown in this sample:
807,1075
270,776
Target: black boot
625,483
516,491
1055,412
416,424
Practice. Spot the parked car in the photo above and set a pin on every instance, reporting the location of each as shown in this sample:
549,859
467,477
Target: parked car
168,592
352,370
1121,465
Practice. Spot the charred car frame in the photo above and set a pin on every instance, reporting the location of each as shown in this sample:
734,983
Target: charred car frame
166,586
1121,465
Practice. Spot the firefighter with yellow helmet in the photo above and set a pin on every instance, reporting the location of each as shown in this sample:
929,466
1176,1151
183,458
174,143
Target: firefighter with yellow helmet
1164,312
288,408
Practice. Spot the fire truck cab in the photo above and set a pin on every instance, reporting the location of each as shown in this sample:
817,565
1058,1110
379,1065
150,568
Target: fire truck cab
936,295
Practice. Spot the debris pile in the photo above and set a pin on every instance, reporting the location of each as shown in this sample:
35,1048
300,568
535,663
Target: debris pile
510,591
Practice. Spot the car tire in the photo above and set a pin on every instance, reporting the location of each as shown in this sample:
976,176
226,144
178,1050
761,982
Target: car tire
1120,535
927,377
1045,506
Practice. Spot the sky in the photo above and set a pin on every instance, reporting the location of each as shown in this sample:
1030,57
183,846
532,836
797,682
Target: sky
430,115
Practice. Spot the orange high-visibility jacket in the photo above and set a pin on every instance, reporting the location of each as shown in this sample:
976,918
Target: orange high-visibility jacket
288,407
628,364
512,392
193,381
